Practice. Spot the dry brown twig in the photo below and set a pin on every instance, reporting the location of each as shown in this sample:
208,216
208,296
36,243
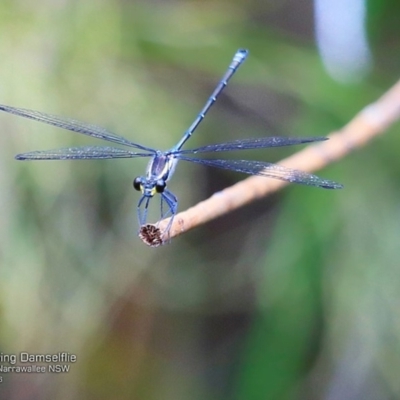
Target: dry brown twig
368,123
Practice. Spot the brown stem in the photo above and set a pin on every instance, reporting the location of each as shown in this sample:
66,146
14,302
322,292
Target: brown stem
368,123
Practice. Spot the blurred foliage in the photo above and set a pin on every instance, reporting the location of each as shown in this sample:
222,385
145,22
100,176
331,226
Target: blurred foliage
293,297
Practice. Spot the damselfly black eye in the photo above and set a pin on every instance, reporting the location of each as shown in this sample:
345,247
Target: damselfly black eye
160,186
137,183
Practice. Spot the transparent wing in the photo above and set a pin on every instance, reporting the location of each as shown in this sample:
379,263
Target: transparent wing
268,170
81,153
73,125
259,143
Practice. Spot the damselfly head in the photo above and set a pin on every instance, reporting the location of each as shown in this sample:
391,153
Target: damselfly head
149,187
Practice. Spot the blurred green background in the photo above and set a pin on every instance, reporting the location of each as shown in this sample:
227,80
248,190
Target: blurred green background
296,296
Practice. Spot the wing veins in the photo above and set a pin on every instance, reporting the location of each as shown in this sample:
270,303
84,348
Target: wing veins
257,143
268,170
72,125
81,153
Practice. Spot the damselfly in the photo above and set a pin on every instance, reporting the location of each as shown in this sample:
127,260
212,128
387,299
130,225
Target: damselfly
162,163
